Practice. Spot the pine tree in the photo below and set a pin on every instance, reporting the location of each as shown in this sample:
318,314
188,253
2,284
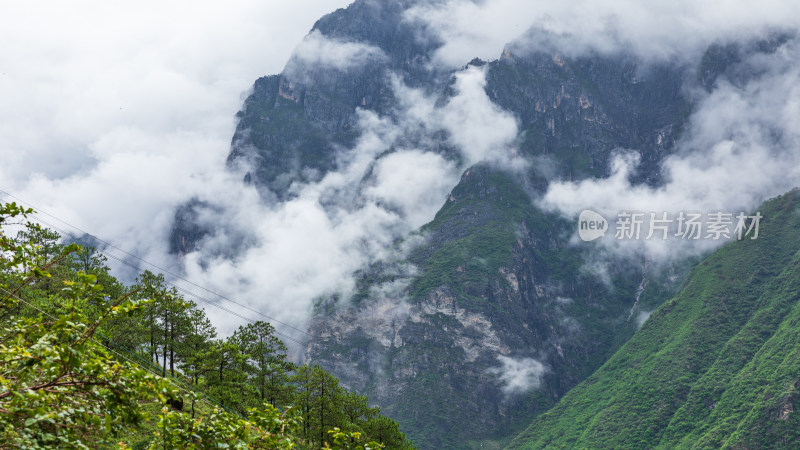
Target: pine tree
266,362
319,399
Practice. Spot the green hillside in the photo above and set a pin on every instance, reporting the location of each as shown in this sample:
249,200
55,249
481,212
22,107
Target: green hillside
716,366
86,360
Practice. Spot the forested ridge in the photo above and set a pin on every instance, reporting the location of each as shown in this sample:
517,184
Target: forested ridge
88,361
716,366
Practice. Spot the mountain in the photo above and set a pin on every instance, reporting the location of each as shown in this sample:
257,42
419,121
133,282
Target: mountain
715,366
490,313
292,123
500,290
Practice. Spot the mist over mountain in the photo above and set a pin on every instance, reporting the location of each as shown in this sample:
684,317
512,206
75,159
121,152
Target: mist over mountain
406,189
417,214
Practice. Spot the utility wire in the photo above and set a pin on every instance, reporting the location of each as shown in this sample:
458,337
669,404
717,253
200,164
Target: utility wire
210,302
179,288
176,276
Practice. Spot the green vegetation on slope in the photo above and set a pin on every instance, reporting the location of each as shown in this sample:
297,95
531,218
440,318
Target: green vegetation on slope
84,359
716,366
495,271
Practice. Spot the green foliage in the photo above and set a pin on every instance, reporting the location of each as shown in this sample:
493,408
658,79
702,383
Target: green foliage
265,428
326,406
57,385
715,367
225,379
78,368
265,363
350,441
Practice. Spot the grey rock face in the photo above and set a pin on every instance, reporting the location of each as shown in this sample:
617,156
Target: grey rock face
504,315
292,123
500,322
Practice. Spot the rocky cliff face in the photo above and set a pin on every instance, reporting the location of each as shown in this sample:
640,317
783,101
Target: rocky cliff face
503,318
494,313
577,110
292,123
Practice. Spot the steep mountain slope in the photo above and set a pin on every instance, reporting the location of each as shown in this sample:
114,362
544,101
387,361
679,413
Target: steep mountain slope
573,112
502,320
576,110
293,123
716,366
492,313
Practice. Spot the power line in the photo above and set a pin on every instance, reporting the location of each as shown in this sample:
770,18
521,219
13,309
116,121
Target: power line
179,288
211,302
161,269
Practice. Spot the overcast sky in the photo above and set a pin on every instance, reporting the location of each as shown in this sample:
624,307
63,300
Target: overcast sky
114,109
113,113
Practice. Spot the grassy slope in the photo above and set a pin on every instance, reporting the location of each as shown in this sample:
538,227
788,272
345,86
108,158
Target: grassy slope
715,366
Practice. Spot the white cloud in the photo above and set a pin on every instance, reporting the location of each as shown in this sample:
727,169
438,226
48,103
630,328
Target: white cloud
518,375
742,147
413,182
479,129
482,130
471,29
642,317
310,246
658,29
321,52
88,86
